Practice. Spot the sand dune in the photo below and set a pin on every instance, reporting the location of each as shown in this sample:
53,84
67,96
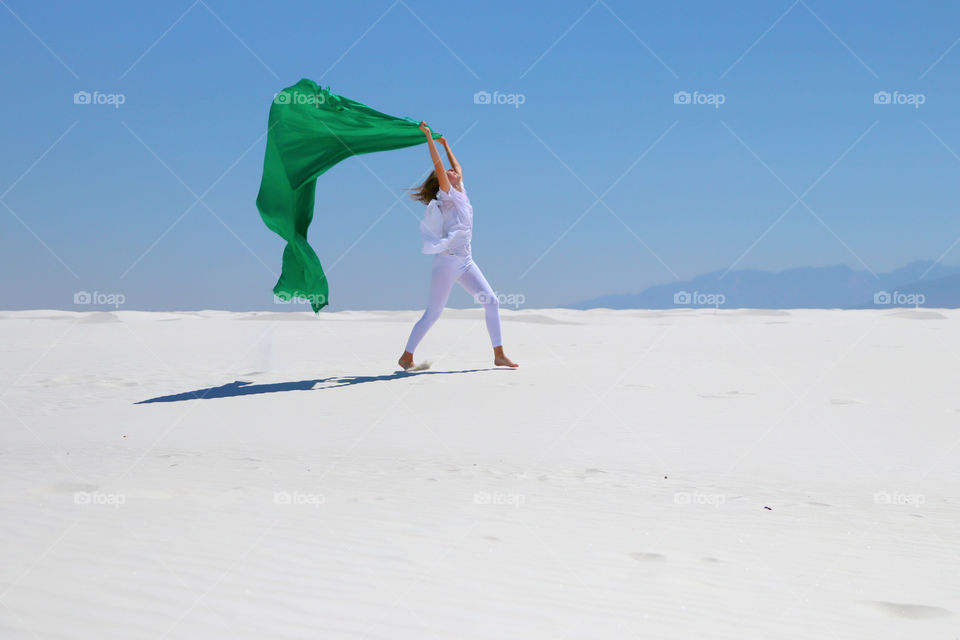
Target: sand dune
669,474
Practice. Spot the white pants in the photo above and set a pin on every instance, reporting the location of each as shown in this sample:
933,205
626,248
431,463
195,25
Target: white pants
448,269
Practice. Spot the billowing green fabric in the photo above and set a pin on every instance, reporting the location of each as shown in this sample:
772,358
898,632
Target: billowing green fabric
310,130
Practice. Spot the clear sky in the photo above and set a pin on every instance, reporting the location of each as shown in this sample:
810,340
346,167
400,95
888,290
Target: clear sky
599,182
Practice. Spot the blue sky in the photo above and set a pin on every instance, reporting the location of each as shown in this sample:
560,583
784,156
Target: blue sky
98,197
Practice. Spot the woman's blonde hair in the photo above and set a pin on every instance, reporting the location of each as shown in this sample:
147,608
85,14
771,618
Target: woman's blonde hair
428,190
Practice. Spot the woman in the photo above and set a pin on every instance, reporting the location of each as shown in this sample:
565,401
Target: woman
446,231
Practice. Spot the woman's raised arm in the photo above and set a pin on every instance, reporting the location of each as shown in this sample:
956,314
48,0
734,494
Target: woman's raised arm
452,158
435,156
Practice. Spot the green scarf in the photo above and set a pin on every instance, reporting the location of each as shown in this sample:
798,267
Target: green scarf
310,130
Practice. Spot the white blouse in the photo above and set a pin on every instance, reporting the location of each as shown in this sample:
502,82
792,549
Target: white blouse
447,225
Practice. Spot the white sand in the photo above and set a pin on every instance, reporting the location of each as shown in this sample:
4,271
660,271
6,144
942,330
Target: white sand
616,486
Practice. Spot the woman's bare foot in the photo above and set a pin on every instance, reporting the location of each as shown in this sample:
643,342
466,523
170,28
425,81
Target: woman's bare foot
500,360
406,360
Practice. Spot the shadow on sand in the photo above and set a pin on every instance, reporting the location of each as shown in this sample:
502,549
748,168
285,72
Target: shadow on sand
243,388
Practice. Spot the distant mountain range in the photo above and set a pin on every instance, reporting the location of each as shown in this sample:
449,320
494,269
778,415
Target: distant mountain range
838,287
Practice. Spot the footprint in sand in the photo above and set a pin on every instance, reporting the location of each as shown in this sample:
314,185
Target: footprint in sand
592,475
727,395
912,611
